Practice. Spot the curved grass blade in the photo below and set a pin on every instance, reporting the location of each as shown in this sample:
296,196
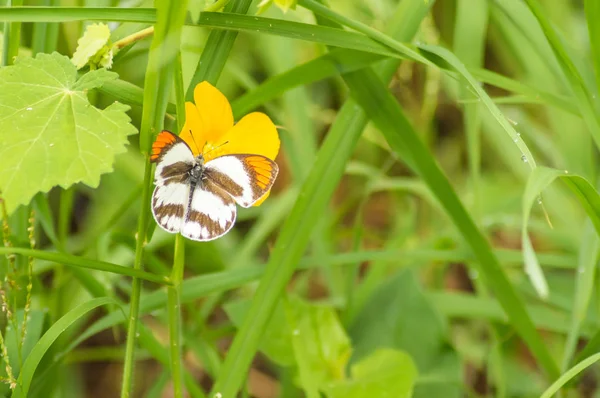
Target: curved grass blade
539,179
570,374
38,351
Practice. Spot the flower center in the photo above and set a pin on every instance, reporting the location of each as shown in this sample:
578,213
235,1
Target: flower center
212,150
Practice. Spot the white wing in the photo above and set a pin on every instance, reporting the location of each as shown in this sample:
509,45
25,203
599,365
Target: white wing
246,178
169,204
211,214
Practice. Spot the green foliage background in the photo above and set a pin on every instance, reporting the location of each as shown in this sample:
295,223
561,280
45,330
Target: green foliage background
433,231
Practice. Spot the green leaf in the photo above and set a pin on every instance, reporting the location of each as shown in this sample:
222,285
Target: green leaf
386,373
94,48
51,134
321,346
397,315
308,335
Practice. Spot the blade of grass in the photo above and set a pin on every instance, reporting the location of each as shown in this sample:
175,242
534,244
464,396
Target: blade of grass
584,285
40,348
217,48
68,14
77,261
129,93
295,233
570,374
592,15
577,85
174,292
469,43
330,64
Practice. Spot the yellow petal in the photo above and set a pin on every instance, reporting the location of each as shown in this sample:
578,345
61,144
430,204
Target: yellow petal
193,132
265,196
215,113
255,133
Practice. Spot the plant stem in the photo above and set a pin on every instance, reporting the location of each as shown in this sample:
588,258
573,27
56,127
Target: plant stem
136,287
174,305
174,292
142,34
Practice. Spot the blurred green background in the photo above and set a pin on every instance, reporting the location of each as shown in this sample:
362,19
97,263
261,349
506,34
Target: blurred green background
386,267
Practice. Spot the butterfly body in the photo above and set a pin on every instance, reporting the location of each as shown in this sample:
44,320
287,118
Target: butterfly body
198,198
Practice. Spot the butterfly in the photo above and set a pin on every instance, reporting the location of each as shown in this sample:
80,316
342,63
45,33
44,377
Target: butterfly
197,198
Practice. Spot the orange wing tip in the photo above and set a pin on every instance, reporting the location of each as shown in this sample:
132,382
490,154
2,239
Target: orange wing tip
164,139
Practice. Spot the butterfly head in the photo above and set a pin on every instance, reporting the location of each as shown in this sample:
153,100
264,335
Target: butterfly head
196,172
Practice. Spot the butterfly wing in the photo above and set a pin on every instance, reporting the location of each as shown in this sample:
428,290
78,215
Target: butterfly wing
246,178
173,158
170,198
211,213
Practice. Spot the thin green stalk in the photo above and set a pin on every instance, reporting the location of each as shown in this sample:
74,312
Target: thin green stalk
174,307
136,288
174,292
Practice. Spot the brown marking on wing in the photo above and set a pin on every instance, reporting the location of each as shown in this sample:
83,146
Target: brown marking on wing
224,182
213,227
176,173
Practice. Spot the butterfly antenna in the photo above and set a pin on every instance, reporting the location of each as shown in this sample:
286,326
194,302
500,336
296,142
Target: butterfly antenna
195,143
217,147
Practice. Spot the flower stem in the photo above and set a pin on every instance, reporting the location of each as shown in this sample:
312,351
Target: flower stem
136,287
174,292
174,305
142,34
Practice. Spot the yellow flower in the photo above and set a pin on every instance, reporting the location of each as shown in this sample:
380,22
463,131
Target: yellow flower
209,129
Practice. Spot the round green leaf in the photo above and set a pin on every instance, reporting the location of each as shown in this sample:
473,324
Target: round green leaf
51,135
